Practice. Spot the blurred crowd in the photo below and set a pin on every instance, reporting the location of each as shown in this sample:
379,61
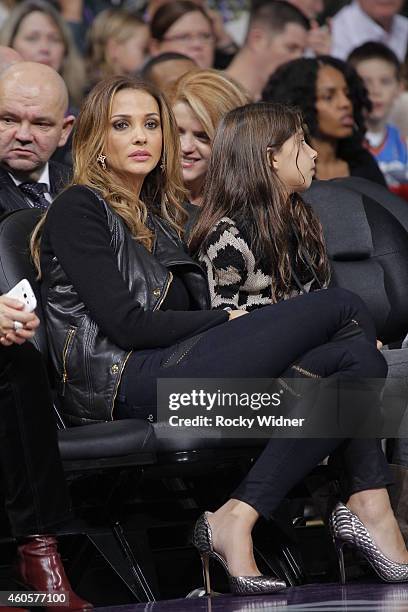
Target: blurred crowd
160,40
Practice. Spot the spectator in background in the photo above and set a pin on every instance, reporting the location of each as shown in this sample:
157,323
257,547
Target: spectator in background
399,114
200,99
33,123
225,44
319,37
277,33
37,31
370,20
184,27
164,69
117,44
5,8
380,70
333,101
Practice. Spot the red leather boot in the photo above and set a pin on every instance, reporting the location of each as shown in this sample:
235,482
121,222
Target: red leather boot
40,568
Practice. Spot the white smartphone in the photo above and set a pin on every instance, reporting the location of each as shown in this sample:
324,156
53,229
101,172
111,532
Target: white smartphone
24,293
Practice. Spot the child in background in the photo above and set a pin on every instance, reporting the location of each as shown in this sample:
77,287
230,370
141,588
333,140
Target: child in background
380,70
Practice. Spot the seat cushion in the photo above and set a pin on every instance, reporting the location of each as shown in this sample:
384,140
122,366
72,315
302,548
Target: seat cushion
168,440
104,440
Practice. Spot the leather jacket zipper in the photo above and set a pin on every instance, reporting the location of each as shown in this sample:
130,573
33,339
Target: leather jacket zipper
166,289
118,382
307,373
67,344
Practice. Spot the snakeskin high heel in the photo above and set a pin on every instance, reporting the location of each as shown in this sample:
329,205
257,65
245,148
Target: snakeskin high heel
346,528
239,585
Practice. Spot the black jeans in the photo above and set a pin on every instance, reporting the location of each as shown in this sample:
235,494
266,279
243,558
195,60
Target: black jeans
266,343
32,475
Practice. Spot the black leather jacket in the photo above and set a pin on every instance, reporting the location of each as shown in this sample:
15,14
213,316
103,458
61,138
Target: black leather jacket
88,364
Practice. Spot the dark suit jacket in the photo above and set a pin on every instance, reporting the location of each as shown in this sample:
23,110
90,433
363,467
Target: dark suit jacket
12,198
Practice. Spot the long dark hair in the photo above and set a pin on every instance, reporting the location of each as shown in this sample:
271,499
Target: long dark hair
294,83
242,185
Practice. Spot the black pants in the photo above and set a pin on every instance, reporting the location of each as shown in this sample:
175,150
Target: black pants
266,343
32,475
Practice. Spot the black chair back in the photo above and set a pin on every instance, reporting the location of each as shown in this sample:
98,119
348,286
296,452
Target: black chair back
368,249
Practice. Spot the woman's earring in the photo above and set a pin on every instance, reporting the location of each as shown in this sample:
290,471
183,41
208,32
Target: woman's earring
101,160
162,166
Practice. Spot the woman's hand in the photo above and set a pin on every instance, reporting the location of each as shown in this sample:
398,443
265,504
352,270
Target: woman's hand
11,311
234,314
379,345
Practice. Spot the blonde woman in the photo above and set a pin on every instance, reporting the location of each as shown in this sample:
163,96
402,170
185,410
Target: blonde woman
125,305
117,43
200,99
37,31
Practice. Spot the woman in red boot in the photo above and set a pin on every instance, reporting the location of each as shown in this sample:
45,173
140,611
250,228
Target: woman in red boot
35,491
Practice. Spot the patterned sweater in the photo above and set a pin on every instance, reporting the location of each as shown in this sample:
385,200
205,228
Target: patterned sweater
234,278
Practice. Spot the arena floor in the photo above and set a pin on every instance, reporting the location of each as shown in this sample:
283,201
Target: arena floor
367,597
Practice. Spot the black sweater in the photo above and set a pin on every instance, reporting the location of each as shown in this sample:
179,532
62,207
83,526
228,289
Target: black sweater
76,232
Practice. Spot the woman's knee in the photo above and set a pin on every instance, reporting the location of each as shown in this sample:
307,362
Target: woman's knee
353,308
366,360
357,358
378,364
348,299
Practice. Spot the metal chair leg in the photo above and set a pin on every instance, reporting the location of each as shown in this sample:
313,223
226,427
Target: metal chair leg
115,549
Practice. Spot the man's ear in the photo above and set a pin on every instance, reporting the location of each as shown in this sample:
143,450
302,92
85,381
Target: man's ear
67,126
257,38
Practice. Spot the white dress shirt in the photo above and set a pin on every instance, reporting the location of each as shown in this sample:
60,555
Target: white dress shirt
352,27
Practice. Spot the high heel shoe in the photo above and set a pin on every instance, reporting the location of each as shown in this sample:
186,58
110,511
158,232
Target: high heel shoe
239,585
346,528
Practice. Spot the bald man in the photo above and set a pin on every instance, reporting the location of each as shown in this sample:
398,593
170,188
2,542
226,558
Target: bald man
33,124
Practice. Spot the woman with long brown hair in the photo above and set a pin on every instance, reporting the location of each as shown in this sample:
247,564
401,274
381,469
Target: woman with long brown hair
258,240
125,305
